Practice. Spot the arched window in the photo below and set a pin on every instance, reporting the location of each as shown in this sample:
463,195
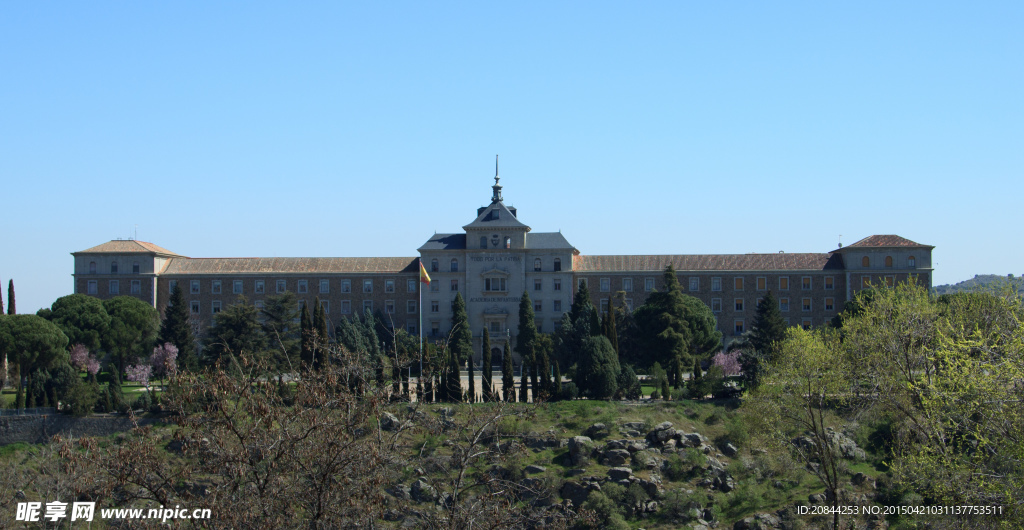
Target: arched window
508,242
433,265
135,267
92,267
455,265
558,264
483,241
888,261
536,264
865,262
911,262
113,267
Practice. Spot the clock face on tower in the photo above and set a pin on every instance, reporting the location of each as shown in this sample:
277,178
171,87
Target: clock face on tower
495,239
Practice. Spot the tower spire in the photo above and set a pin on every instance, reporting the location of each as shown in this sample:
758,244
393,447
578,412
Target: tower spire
496,187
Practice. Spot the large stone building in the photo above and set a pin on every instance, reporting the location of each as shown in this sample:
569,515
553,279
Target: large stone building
491,262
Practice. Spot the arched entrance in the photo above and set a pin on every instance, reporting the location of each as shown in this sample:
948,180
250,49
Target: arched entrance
496,358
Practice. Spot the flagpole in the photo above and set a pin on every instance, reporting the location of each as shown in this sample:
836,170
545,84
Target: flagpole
419,308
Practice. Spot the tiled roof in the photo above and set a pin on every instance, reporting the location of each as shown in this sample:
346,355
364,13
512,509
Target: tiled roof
445,242
547,240
504,218
891,240
709,262
289,265
127,246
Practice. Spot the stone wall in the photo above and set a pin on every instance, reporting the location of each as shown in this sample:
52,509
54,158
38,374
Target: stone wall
40,429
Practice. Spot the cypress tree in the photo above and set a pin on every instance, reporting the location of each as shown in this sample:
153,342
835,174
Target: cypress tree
508,381
320,325
609,328
524,395
461,339
543,369
454,378
471,397
10,298
486,382
1,300
305,327
176,329
665,390
526,338
556,392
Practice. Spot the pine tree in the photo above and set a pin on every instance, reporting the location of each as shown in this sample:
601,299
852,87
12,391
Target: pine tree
176,330
471,395
462,338
508,381
486,382
306,327
766,336
10,298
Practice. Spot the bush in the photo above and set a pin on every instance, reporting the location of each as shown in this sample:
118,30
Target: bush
629,384
569,392
607,512
142,402
598,369
716,417
81,398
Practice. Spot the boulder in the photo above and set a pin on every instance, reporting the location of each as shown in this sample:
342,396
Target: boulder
730,450
422,491
858,479
389,422
616,457
633,425
817,498
760,521
580,448
534,469
400,491
620,473
597,430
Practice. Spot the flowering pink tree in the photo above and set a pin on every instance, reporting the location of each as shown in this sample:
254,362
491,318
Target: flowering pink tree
729,362
139,373
164,360
81,359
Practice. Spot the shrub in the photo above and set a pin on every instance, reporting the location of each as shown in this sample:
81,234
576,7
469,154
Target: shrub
607,512
81,398
715,418
569,392
629,384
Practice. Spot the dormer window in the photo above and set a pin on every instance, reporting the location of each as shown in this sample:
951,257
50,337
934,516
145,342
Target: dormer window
92,267
494,214
113,267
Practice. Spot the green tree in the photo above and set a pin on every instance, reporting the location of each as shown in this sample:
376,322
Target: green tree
461,341
556,387
82,318
235,332
609,328
176,328
629,384
306,336
133,328
454,379
11,310
543,347
508,381
486,381
598,371
284,340
526,337
471,393
765,340
32,343
322,338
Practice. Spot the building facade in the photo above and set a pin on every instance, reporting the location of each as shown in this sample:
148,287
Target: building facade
491,262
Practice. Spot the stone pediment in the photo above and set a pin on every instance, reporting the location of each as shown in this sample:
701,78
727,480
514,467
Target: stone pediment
495,271
495,310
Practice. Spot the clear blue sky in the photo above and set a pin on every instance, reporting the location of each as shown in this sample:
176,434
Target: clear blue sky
360,128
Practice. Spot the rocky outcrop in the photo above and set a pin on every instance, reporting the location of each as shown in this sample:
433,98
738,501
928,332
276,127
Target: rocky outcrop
580,449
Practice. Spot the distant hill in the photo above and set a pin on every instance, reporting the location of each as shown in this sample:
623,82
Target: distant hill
983,282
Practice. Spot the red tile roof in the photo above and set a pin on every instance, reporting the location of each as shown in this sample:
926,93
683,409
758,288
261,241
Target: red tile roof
289,265
708,262
891,240
127,246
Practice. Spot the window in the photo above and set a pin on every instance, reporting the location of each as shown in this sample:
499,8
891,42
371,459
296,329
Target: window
648,284
738,327
538,285
536,265
557,285
455,265
738,304
539,324
558,265
410,307
171,285
716,305
865,282
716,284
115,288
805,304
215,307
410,327
367,306
389,307
325,286
455,285
888,262
259,306
135,267
195,307
435,306
606,285
629,304
557,305
737,284
367,286
494,326
236,287
783,304
494,284
346,307
282,286
346,286
389,286
830,304
830,283
260,287
805,323
215,287
434,267
113,267
604,305
784,283
303,286
627,285
911,262
805,283
483,241
91,287
435,286
508,242
538,306
694,284
762,283
92,267
195,287
325,305
136,287
410,286
890,281
865,262
435,329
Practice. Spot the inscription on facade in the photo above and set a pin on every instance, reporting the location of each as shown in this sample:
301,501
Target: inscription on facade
496,299
494,258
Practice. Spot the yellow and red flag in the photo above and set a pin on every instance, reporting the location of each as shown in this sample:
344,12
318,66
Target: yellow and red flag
424,277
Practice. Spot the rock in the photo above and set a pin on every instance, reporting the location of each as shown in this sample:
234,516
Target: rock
400,491
805,443
574,492
422,491
714,463
632,434
636,445
533,469
620,473
615,444
707,449
633,425
389,422
580,448
858,479
616,457
532,484
760,521
816,498
759,451
730,450
575,472
597,430
651,488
